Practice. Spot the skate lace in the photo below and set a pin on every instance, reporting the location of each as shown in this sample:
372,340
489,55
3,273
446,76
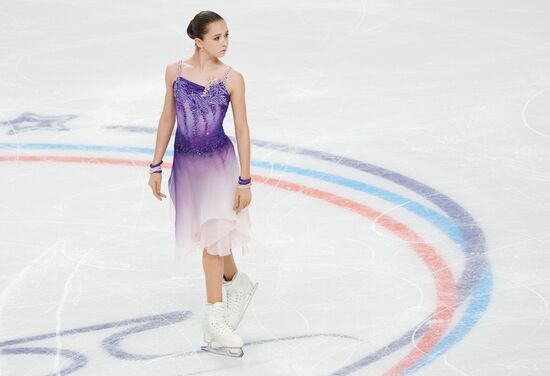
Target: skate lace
236,296
235,299
217,322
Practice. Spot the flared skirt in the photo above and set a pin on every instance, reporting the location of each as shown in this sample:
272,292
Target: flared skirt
202,191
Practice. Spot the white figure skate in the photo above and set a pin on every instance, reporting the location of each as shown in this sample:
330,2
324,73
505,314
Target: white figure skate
216,330
237,294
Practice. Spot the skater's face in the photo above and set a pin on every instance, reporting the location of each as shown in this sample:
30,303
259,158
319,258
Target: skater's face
216,40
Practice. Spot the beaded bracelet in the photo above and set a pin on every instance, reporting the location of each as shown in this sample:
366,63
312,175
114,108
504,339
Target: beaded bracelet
155,168
244,183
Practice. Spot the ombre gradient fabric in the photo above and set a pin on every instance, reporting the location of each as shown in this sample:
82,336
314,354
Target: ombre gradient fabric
205,172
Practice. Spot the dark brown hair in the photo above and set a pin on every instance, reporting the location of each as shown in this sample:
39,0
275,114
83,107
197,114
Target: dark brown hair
199,24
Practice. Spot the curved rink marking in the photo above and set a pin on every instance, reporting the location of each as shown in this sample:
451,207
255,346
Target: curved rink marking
470,278
445,286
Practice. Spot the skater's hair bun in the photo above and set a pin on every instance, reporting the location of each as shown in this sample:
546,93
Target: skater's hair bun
199,24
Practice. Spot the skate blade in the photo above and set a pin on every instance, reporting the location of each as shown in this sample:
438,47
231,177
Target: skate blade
246,304
234,352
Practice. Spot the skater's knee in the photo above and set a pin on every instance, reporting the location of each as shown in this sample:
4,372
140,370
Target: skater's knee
210,257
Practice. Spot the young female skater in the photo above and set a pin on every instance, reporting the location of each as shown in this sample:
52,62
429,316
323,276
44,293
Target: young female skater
209,194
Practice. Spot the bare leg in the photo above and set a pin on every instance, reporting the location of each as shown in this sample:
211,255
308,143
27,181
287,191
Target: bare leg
213,271
229,267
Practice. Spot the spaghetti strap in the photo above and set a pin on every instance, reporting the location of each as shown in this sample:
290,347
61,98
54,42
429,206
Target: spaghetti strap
226,74
179,68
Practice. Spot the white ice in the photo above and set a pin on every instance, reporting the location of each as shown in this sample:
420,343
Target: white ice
436,265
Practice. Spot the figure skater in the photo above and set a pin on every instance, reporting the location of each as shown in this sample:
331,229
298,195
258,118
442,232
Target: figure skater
209,195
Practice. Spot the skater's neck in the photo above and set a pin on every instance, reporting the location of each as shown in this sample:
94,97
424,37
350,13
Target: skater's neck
203,62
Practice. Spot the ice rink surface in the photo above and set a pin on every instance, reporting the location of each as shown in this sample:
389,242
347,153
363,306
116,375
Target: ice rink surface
400,201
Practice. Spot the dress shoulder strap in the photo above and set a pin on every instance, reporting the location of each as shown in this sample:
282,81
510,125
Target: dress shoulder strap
179,68
226,73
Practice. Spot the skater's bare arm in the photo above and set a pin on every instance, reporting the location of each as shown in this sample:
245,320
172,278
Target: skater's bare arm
243,196
165,128
168,116
242,133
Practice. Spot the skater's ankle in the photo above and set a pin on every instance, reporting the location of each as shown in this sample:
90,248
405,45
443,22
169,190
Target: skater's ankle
227,279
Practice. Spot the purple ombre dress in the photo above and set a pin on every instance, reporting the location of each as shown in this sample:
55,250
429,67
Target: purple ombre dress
205,172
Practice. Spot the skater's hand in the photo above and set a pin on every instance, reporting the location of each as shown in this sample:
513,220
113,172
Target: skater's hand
242,199
154,183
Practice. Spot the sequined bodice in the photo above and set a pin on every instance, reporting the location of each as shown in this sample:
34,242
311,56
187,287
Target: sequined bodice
200,111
